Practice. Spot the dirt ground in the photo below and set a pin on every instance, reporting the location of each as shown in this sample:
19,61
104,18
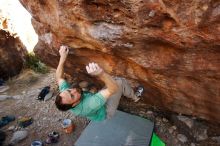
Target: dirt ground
46,118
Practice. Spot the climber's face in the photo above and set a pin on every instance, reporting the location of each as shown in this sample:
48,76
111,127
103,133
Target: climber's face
71,96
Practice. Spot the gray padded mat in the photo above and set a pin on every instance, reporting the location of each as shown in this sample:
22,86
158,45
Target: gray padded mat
122,130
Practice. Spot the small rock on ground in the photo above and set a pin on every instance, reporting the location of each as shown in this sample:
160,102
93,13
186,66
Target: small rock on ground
182,138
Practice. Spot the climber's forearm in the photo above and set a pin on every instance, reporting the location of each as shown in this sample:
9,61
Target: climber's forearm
63,55
59,71
110,83
95,70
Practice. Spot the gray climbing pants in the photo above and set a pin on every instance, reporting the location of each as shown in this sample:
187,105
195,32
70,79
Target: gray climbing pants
113,101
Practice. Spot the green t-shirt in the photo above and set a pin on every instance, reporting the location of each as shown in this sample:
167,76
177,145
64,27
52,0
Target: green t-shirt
91,105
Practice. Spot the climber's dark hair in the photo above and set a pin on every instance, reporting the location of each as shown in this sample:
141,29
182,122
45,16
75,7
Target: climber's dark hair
60,105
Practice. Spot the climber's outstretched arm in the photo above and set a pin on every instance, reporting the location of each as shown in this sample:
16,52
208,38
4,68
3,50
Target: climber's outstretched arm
64,50
110,83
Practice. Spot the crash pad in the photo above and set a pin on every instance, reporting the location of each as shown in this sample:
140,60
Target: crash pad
156,141
122,130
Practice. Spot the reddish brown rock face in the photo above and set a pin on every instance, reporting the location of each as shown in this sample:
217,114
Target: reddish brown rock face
171,47
12,55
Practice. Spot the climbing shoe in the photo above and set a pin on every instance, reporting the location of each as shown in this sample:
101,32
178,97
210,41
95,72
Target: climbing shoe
53,137
25,121
138,93
5,120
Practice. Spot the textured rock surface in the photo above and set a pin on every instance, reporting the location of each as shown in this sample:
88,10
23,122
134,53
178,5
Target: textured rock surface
12,55
171,47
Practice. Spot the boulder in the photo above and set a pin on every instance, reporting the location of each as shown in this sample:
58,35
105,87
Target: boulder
170,47
12,55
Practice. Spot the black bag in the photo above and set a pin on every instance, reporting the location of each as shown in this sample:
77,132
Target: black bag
43,93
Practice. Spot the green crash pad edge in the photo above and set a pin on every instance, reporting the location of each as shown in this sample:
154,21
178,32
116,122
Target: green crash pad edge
156,141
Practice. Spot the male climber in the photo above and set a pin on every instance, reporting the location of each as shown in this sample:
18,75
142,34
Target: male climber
95,106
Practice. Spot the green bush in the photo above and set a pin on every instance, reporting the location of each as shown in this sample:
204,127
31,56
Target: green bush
33,62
